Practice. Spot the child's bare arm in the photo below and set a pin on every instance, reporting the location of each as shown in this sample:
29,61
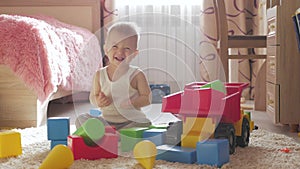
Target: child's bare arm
140,82
97,98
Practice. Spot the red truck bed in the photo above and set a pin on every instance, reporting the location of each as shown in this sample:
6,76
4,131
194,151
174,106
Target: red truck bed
206,102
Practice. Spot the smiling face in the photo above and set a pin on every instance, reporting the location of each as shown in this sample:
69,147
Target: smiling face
120,48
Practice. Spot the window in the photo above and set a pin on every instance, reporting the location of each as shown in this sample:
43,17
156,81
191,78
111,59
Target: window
170,37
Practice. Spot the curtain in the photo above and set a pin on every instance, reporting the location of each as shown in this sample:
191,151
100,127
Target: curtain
108,13
178,40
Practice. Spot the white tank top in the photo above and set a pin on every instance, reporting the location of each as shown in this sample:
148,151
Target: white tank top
120,91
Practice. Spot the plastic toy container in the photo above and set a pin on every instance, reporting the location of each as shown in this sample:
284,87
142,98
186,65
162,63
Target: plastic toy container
206,102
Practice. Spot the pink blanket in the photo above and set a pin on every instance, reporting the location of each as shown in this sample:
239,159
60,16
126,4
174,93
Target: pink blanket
46,53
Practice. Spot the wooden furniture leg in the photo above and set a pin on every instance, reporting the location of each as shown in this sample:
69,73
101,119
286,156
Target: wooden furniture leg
260,89
294,128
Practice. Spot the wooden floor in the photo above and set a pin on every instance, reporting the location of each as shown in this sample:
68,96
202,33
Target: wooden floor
72,110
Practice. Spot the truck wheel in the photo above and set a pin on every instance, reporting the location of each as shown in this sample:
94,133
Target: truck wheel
227,131
232,140
243,140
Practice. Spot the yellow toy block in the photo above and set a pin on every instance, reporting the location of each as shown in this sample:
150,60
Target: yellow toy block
60,156
145,153
10,144
191,139
198,124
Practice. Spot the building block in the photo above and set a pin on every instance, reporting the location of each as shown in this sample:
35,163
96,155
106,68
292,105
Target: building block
213,152
58,128
10,144
110,139
198,124
176,154
174,132
91,131
131,136
82,151
95,112
216,85
145,153
157,136
57,142
110,129
159,126
106,148
59,157
191,139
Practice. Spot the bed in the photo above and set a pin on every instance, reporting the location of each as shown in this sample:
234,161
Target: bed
48,49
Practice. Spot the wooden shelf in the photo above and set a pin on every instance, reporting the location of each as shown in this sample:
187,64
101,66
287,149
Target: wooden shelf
283,70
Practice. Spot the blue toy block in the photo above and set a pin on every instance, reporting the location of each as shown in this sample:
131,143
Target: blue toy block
174,132
176,154
58,128
157,136
95,112
56,142
213,152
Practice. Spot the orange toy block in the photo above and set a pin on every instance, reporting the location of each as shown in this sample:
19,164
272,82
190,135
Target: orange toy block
107,147
10,144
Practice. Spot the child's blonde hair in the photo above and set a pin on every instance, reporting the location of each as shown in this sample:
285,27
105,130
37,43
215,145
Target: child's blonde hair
125,28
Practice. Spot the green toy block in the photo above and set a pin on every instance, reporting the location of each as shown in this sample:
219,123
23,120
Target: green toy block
131,136
216,85
159,126
91,131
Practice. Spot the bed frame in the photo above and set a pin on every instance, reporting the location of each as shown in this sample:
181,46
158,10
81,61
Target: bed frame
18,104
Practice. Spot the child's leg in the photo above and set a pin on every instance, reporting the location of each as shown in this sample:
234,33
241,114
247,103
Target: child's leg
84,117
135,124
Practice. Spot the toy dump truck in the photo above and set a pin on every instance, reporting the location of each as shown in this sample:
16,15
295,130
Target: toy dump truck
218,102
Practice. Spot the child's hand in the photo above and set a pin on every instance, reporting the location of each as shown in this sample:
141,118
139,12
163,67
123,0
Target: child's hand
103,100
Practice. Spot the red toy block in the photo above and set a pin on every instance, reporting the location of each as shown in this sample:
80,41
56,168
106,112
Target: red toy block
110,129
109,143
106,148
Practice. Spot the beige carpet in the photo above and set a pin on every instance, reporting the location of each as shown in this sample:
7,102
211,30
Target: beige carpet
263,153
